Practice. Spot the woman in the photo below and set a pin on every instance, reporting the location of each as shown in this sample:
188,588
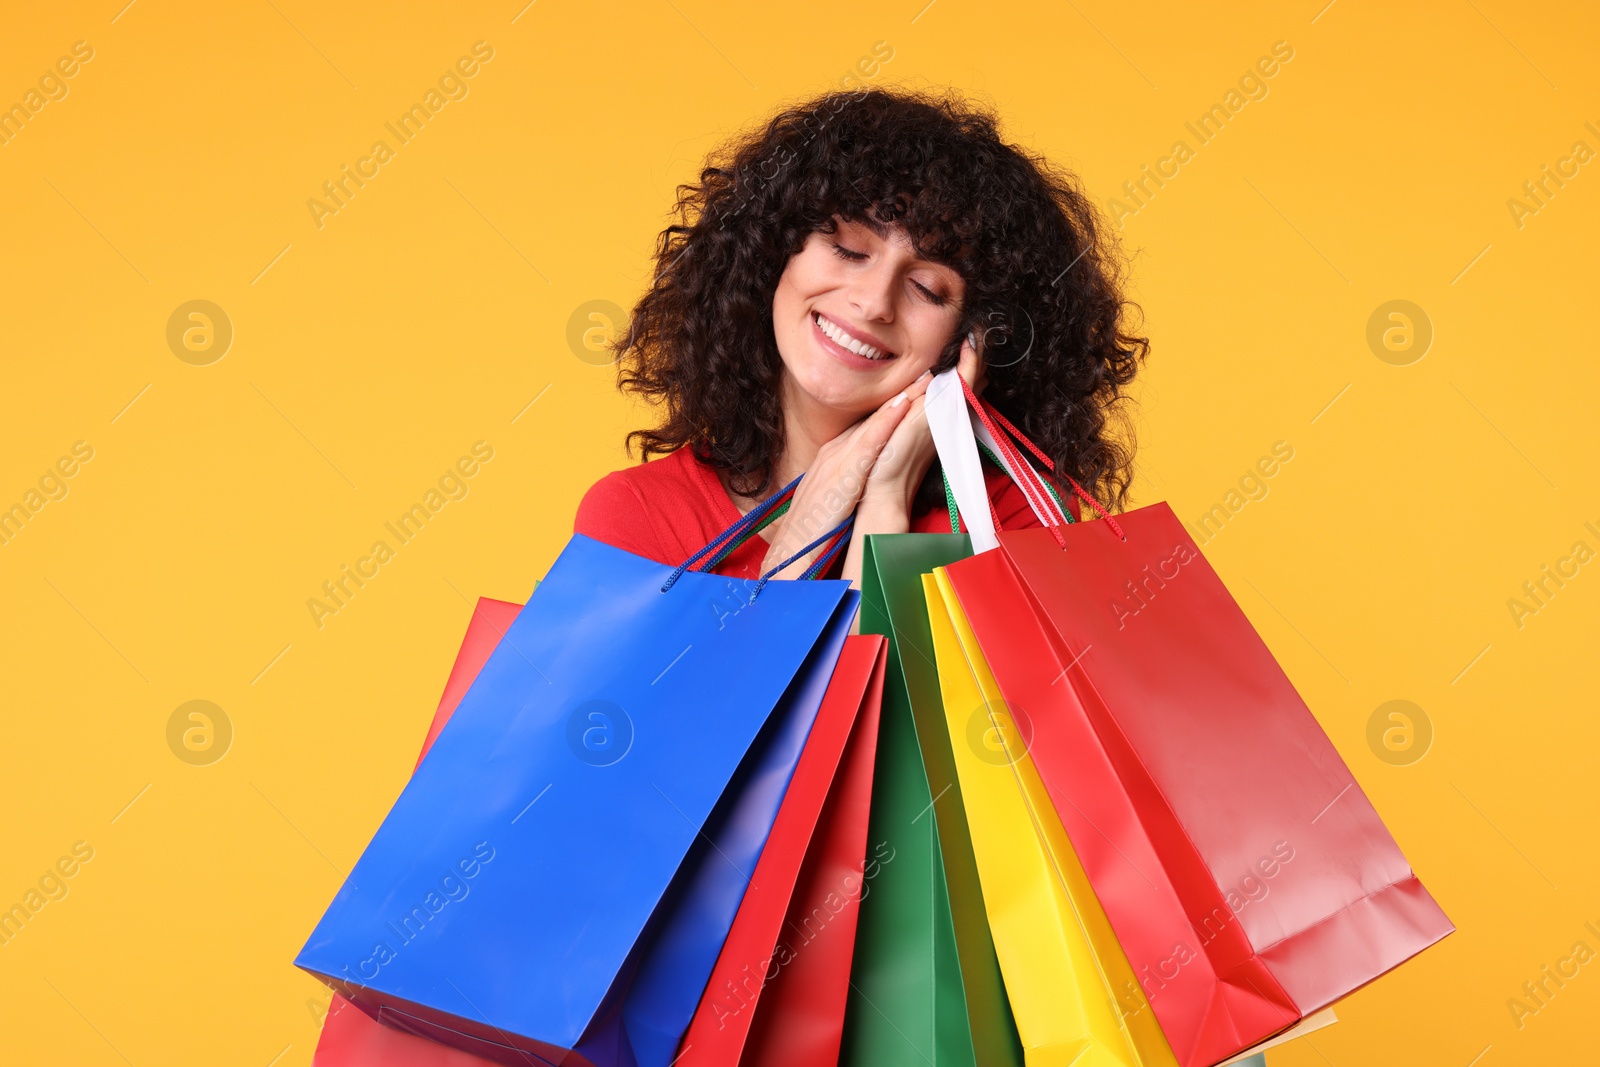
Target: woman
818,275
821,271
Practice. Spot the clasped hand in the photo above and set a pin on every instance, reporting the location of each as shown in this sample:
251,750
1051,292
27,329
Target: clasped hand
872,469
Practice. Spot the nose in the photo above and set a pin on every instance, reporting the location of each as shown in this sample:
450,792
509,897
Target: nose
872,291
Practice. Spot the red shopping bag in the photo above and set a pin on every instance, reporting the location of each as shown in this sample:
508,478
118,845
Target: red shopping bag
777,994
490,621
351,1037
1244,871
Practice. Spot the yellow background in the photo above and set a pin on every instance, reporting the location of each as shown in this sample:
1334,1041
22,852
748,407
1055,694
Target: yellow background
426,315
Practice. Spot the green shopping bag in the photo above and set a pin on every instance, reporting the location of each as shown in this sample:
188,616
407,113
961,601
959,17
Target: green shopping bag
925,983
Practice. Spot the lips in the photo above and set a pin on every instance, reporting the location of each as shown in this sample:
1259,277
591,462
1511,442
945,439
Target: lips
847,344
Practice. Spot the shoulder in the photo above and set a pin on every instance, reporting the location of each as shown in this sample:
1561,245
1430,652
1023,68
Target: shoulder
641,509
635,488
613,496
620,508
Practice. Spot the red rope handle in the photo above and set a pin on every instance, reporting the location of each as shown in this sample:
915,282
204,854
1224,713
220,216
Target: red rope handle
989,409
1038,495
1049,465
1026,477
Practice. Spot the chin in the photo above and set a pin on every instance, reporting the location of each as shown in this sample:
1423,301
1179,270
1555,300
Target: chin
841,391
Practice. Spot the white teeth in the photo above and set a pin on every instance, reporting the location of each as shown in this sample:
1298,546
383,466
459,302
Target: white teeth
844,340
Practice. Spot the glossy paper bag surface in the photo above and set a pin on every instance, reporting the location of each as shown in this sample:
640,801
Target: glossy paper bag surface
660,999
694,920
801,1022
352,1038
675,963
780,962
1190,776
491,619
1066,977
572,781
926,984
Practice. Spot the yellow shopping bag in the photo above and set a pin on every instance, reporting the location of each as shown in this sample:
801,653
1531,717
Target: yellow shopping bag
1072,991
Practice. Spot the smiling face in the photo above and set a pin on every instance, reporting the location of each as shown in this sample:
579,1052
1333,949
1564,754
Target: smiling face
859,316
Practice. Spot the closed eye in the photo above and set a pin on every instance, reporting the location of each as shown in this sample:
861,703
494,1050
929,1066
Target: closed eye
855,257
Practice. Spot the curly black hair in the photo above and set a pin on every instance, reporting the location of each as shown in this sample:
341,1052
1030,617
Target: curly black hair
1043,280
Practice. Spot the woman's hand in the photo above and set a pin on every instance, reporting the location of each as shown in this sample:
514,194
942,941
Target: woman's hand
885,506
838,476
909,452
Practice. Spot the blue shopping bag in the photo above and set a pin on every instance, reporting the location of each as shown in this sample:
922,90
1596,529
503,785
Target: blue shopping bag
555,876
677,962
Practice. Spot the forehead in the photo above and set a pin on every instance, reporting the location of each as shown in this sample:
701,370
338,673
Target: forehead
892,233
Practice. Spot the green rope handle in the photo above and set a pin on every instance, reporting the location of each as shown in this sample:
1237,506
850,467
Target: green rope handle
950,496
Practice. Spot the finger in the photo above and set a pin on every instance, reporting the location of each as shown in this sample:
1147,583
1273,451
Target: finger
912,423
880,425
970,366
847,440
886,421
868,437
858,447
915,422
909,439
920,386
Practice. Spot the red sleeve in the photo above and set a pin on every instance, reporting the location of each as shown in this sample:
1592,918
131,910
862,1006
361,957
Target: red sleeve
613,511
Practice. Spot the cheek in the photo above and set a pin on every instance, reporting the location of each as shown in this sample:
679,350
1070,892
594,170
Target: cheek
810,268
788,317
802,280
929,331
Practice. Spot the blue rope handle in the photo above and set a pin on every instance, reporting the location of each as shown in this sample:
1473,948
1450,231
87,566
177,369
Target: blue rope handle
826,558
849,520
754,516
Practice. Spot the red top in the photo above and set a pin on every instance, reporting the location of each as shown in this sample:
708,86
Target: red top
671,508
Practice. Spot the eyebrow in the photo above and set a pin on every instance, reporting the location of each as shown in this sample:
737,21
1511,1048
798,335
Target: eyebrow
882,231
879,228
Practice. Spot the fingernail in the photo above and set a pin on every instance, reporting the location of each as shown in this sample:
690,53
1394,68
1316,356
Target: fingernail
897,401
927,373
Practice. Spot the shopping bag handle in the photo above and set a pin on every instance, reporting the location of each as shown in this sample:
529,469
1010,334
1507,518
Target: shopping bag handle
946,410
962,424
838,535
987,411
955,419
1029,478
753,522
